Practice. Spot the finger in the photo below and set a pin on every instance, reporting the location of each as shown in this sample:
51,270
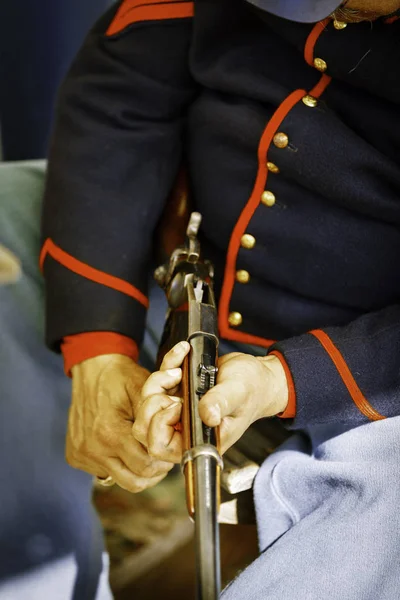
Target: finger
91,466
230,431
138,461
221,401
174,358
147,411
161,382
164,442
131,453
129,481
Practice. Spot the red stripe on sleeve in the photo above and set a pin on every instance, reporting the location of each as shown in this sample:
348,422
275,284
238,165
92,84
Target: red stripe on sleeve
134,11
357,396
81,268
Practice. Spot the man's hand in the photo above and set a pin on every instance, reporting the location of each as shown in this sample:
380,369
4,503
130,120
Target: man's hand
160,410
106,397
248,388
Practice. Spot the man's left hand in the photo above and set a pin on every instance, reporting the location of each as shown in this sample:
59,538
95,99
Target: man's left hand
249,388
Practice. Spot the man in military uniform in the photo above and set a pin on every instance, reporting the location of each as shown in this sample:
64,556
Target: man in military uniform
285,114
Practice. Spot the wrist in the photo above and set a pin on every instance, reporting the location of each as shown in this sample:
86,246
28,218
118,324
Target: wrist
80,347
97,364
278,388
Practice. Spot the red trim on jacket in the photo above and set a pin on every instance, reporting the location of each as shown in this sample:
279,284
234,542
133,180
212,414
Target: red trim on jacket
312,40
135,11
391,20
82,346
81,268
321,86
290,410
249,210
244,220
357,396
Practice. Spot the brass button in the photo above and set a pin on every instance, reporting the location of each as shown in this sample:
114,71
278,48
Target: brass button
268,198
339,25
310,101
320,64
272,167
235,319
242,276
281,140
248,241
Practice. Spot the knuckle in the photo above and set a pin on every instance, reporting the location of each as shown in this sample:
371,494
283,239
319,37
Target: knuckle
158,400
155,452
149,470
161,452
150,382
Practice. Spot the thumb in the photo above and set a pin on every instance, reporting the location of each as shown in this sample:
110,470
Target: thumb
221,401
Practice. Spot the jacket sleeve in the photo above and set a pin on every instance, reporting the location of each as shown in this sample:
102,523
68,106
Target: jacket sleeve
116,151
347,374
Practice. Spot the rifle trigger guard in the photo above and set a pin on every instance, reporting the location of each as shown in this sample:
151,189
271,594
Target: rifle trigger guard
201,450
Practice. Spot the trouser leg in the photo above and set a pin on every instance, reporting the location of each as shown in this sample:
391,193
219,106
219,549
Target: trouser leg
327,512
45,505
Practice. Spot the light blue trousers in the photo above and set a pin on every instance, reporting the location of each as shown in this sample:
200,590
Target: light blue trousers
327,506
45,506
46,514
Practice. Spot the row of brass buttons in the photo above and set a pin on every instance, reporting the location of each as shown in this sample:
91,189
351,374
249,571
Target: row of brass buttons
280,140
248,241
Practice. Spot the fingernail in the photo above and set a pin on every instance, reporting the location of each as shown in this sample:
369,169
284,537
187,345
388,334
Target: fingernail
173,372
182,346
176,399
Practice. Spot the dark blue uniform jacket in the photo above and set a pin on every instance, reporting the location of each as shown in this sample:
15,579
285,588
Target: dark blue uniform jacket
291,138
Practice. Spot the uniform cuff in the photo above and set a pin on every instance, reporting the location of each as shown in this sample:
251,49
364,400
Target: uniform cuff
290,410
82,346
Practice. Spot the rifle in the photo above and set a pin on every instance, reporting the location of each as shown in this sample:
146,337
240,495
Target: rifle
187,280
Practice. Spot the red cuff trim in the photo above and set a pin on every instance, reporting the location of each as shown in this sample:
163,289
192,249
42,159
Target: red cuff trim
290,410
80,347
391,20
356,394
135,11
84,270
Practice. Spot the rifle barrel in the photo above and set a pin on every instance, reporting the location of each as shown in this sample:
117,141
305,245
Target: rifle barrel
206,528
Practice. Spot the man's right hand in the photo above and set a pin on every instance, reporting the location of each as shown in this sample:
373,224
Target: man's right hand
106,396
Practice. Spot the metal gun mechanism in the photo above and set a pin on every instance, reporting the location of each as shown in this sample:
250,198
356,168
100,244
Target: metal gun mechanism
207,374
184,260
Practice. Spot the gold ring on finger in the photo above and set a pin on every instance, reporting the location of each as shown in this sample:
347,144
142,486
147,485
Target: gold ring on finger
105,481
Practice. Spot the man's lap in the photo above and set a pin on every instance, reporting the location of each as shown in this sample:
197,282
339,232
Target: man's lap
326,506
